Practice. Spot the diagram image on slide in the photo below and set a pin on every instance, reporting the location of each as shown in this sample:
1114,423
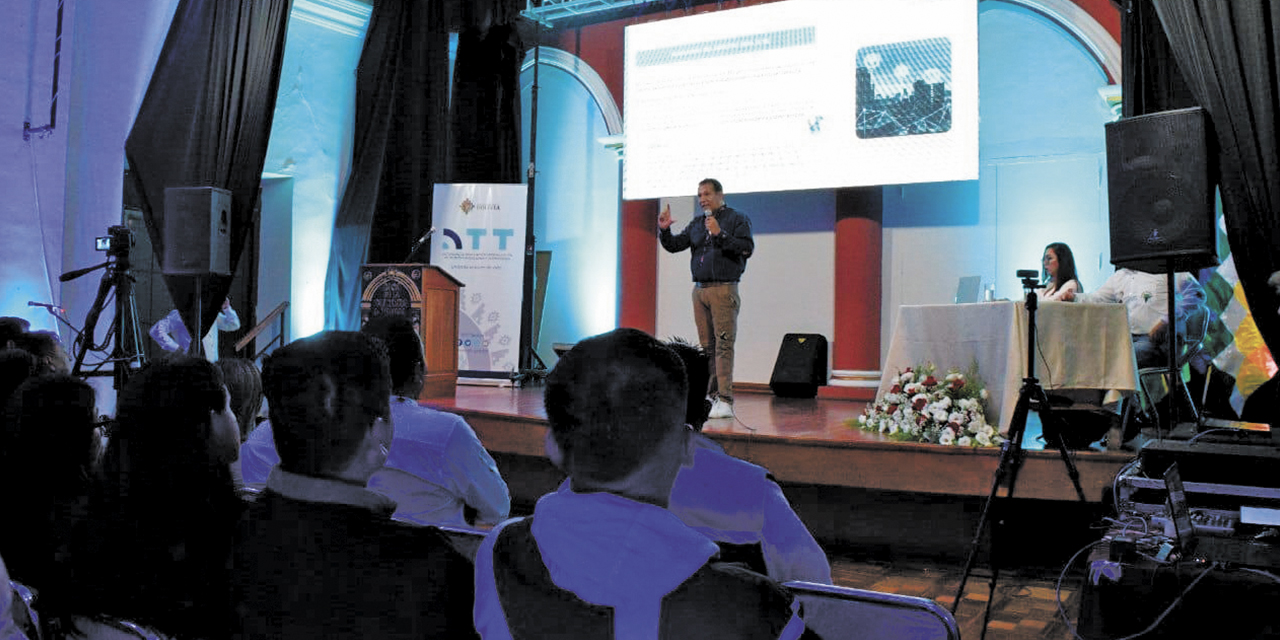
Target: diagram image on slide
903,88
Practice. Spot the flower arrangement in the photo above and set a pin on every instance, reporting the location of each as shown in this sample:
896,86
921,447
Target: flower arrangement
920,407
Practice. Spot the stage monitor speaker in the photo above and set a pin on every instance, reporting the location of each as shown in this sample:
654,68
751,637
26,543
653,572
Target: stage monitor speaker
801,366
1161,192
197,231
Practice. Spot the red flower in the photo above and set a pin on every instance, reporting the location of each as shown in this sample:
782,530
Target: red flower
919,403
897,388
930,381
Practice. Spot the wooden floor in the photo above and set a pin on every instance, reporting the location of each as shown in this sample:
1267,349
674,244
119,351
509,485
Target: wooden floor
1024,607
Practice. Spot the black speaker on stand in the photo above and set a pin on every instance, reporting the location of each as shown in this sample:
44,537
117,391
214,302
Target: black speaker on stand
1160,177
1161,173
801,366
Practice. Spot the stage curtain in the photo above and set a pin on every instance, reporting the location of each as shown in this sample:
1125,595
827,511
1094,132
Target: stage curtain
399,148
485,124
205,121
1151,81
1227,52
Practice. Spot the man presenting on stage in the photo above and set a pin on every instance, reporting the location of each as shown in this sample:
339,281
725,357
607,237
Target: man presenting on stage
720,242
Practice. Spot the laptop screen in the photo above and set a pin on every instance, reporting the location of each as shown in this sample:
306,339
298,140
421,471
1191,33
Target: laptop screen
1179,509
968,289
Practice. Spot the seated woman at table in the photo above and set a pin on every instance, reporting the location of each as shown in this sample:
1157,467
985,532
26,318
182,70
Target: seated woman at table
1059,273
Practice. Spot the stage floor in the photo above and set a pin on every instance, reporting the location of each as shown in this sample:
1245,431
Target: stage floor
805,441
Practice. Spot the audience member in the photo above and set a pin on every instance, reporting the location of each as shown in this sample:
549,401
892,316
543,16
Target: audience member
10,627
436,468
1059,273
158,550
244,383
1145,296
11,327
48,351
317,553
738,504
172,335
603,556
16,365
48,457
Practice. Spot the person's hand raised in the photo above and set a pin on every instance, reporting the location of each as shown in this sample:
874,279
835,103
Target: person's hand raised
664,218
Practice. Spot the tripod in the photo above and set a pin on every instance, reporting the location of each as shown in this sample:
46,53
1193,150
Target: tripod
125,341
1032,396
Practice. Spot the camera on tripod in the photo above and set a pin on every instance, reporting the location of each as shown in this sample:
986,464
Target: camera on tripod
1030,278
116,243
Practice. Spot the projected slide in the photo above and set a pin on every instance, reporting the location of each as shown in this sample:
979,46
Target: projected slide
802,94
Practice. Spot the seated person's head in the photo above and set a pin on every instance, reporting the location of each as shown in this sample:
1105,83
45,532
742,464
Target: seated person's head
404,353
44,345
616,405
174,419
11,328
697,367
329,401
16,365
52,440
244,383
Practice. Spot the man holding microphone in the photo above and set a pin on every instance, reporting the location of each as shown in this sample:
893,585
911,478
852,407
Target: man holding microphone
720,242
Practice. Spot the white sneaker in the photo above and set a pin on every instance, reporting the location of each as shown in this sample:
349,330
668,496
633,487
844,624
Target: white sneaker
720,409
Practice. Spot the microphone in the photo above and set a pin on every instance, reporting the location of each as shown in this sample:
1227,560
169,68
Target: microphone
53,308
418,243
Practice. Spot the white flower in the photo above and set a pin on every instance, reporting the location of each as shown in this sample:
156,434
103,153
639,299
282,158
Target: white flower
862,420
946,436
893,428
964,441
983,393
945,402
983,439
939,415
957,417
906,377
986,431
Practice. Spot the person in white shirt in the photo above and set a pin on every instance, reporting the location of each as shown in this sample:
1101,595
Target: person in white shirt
1145,296
172,334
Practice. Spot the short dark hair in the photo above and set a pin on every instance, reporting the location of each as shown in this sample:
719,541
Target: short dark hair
50,440
323,395
715,184
610,401
404,347
244,383
16,365
697,368
162,436
11,327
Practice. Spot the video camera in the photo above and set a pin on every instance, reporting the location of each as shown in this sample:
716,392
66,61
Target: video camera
116,243
1030,278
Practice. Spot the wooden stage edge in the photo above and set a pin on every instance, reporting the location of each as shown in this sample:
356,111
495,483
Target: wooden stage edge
805,441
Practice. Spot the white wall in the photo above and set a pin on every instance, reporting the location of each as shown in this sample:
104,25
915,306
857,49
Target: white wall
788,287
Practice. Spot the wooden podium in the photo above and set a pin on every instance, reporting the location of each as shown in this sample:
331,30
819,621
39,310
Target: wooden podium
428,296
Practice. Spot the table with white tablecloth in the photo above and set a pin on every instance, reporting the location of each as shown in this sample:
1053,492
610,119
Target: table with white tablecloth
1078,346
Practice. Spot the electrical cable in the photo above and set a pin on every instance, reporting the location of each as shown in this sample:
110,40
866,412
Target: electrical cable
1062,612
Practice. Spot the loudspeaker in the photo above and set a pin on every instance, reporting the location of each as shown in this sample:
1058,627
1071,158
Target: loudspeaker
197,231
801,366
1159,176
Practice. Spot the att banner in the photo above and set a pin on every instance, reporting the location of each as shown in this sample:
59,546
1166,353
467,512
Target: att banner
479,239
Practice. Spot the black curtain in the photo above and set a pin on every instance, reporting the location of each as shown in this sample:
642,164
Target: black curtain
402,94
485,125
205,122
1227,52
1150,80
